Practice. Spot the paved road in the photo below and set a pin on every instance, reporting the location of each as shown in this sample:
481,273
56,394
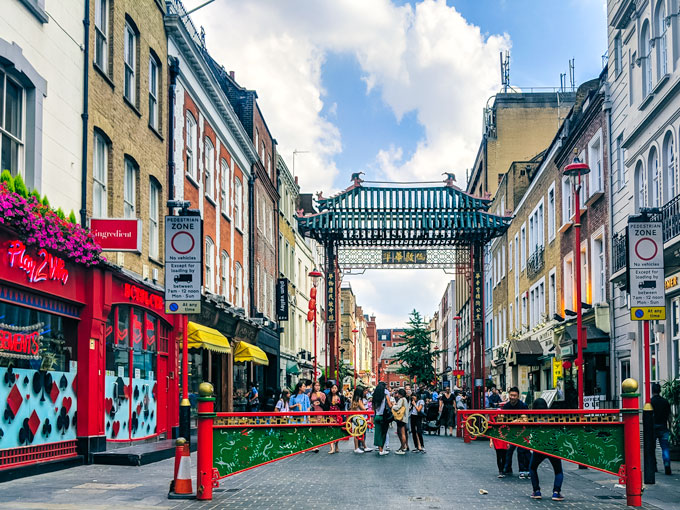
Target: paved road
448,476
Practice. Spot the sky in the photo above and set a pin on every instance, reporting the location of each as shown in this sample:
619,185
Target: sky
395,89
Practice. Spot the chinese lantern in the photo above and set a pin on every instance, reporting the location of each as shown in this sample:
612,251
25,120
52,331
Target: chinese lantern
566,365
312,293
310,315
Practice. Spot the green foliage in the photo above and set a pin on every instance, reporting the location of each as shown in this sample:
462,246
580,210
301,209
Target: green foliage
60,214
20,186
7,178
417,358
72,217
45,202
36,194
671,392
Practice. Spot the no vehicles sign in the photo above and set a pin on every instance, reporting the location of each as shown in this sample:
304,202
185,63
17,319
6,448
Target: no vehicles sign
646,271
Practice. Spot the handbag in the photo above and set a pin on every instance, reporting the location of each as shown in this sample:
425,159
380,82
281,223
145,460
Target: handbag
399,413
388,417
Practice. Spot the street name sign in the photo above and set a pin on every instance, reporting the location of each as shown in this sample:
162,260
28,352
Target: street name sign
646,271
183,264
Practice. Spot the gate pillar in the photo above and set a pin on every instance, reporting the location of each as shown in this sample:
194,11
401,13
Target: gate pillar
204,453
477,376
630,408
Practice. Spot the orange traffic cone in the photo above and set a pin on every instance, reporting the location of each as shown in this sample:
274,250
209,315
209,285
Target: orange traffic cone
180,487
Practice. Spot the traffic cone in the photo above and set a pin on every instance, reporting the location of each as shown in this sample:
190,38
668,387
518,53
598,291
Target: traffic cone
180,487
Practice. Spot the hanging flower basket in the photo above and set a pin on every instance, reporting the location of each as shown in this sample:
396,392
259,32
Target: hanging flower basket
39,226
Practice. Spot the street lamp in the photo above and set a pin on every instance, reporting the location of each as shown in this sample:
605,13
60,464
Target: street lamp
315,275
457,373
355,331
574,172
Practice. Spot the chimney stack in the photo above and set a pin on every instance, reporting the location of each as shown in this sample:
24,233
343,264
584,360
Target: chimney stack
231,75
296,180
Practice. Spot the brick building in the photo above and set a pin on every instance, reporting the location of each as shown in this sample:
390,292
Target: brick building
389,345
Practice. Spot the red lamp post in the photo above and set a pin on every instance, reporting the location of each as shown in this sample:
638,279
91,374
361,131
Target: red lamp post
457,371
574,171
315,275
355,331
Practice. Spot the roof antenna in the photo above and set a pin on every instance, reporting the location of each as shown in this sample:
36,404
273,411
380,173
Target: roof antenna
572,72
505,70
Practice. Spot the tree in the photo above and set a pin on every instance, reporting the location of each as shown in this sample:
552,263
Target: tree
417,358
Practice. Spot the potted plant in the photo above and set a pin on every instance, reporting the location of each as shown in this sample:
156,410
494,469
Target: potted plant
671,392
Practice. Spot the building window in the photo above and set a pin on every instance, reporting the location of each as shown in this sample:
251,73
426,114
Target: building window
224,184
675,335
552,293
523,249
646,54
654,356
130,55
130,189
599,271
153,92
620,161
238,202
640,187
209,167
568,284
510,318
618,56
209,264
567,200
669,174
154,206
596,180
654,178
224,273
99,173
11,124
238,284
661,40
516,262
101,30
586,296
536,229
257,140
625,368
191,146
551,212
524,310
510,254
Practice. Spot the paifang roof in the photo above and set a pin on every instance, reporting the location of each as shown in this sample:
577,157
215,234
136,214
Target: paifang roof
397,216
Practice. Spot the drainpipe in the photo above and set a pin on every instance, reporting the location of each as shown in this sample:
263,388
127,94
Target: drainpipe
607,106
174,71
251,238
85,115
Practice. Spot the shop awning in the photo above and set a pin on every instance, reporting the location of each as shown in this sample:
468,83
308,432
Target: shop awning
526,352
292,368
250,352
200,336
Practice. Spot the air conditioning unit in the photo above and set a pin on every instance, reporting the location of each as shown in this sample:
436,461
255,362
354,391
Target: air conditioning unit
154,274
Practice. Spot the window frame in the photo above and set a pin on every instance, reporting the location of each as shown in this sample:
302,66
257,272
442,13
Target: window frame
154,92
100,180
154,219
130,200
130,68
225,178
101,33
208,167
224,274
596,175
209,265
551,213
238,203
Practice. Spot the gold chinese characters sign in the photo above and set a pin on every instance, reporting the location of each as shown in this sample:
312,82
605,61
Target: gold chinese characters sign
404,256
330,297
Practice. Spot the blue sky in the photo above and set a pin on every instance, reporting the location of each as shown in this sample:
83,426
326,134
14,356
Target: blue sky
393,88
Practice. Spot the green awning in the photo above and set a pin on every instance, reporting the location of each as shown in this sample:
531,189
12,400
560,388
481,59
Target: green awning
292,368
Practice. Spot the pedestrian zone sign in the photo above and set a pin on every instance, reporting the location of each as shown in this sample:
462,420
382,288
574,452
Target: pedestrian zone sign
183,264
646,271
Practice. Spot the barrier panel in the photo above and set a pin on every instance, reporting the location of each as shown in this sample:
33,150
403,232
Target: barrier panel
607,439
230,443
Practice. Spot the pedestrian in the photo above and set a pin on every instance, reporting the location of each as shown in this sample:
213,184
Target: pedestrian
381,420
662,413
283,405
447,411
253,399
537,458
401,414
308,385
328,386
407,388
317,397
501,452
417,415
494,398
358,405
335,402
269,401
299,402
523,455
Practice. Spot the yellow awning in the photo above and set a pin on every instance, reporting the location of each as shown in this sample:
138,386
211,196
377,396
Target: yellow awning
249,352
207,338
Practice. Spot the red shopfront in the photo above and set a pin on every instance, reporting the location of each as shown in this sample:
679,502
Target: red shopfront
58,351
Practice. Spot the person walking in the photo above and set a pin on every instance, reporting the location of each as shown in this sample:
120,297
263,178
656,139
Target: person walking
299,402
446,408
523,455
253,399
317,397
417,414
381,420
537,458
501,452
494,398
662,413
335,402
283,405
358,405
401,414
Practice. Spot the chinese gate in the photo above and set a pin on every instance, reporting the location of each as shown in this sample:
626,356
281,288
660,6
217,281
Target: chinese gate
424,226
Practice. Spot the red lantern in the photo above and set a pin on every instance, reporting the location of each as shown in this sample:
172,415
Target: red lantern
310,315
312,304
312,293
566,365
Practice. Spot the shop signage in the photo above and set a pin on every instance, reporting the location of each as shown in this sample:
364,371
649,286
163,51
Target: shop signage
330,296
17,340
47,267
671,282
117,234
183,264
478,308
556,371
646,271
142,297
404,256
282,299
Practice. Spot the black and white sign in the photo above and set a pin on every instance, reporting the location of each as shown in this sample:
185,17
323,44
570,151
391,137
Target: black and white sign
183,264
646,270
282,299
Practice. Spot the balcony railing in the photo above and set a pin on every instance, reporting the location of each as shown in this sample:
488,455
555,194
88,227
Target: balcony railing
670,217
619,251
535,262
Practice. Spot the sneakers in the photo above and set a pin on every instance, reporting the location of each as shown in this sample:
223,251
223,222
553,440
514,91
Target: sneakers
557,496
384,452
400,452
368,449
524,475
358,450
501,475
415,451
422,450
536,495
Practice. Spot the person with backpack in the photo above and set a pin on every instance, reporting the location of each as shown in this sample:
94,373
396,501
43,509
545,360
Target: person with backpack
253,399
537,458
382,407
417,416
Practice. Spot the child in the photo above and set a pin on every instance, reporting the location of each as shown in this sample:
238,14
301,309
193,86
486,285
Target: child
501,449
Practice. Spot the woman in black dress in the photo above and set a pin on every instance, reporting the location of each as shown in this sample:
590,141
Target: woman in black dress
447,405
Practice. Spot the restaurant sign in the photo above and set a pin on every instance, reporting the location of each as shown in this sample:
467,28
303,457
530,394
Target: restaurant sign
117,234
20,341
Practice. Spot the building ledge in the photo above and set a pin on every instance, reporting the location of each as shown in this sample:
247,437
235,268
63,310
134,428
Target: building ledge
646,101
565,227
594,198
659,84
